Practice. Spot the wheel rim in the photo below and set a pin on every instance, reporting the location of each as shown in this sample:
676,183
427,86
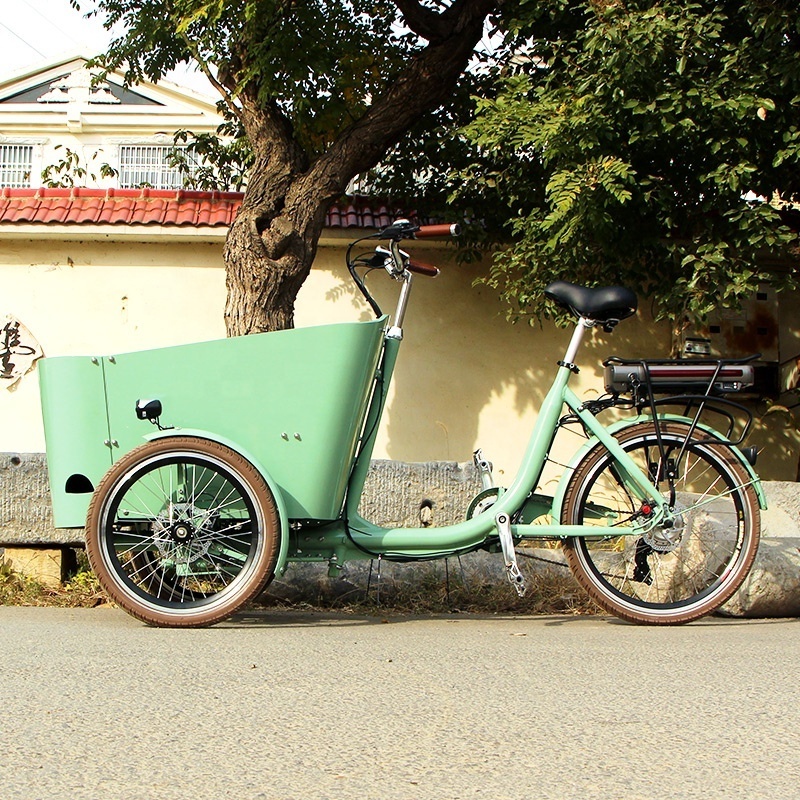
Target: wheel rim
180,531
665,570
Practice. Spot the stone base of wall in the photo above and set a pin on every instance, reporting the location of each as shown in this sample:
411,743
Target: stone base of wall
25,516
392,497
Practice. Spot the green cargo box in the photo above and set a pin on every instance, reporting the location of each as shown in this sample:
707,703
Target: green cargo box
293,400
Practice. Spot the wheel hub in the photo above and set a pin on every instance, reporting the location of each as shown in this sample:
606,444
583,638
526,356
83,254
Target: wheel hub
182,533
664,539
179,530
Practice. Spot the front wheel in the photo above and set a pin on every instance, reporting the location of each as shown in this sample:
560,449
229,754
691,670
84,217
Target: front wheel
667,575
182,532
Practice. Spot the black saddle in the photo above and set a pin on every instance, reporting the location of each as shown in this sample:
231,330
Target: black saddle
607,304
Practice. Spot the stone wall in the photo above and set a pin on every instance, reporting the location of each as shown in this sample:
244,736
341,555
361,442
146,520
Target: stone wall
392,497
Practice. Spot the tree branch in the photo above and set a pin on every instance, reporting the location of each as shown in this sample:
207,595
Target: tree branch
423,21
212,79
424,84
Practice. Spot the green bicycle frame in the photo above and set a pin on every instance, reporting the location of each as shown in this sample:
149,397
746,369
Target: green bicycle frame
365,539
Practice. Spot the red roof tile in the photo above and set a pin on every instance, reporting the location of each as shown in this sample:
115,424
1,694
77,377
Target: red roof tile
158,207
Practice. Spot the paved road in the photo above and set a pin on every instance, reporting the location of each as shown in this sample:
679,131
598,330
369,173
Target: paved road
95,706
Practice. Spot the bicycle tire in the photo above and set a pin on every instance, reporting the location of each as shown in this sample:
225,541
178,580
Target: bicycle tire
667,576
182,532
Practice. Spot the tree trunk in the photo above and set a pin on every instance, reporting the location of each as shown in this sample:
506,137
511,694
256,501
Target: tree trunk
272,243
265,269
273,240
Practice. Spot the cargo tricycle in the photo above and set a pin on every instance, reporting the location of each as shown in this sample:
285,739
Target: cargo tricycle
201,471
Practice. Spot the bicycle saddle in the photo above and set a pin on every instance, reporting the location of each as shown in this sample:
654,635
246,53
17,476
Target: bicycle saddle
608,304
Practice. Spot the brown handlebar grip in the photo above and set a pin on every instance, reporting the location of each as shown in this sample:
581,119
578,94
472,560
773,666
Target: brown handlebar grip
446,229
422,268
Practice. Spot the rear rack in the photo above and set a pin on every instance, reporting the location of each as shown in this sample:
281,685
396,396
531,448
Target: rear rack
698,386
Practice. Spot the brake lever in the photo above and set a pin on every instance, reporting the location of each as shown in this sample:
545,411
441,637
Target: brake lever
399,229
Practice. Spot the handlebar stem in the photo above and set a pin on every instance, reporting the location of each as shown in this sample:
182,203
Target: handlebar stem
396,329
399,259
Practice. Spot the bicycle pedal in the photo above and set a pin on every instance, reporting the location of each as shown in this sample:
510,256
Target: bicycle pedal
484,467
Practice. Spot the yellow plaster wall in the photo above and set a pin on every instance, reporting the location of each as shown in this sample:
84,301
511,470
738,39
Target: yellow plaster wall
85,298
465,378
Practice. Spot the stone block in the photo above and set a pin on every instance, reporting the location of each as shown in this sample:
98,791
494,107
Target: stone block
394,491
772,588
25,515
781,519
392,497
49,567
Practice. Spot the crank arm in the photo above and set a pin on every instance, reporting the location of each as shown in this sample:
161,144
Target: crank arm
515,577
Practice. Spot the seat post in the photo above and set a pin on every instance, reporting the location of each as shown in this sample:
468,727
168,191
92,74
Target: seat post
575,341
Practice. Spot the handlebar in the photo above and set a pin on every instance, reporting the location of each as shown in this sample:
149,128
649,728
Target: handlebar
421,268
397,263
445,229
404,229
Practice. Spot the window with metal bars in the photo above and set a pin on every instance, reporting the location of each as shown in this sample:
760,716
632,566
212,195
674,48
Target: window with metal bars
153,165
16,165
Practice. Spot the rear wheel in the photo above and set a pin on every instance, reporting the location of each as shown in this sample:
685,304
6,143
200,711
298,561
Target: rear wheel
667,575
182,532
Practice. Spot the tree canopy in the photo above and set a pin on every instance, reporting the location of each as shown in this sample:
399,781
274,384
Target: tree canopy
321,89
654,143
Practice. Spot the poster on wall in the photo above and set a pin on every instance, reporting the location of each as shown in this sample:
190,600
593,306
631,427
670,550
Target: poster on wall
19,351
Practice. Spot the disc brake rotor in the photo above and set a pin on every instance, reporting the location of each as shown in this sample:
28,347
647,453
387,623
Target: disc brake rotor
665,540
179,532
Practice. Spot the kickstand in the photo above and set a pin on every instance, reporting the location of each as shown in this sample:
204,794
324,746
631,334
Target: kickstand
377,581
